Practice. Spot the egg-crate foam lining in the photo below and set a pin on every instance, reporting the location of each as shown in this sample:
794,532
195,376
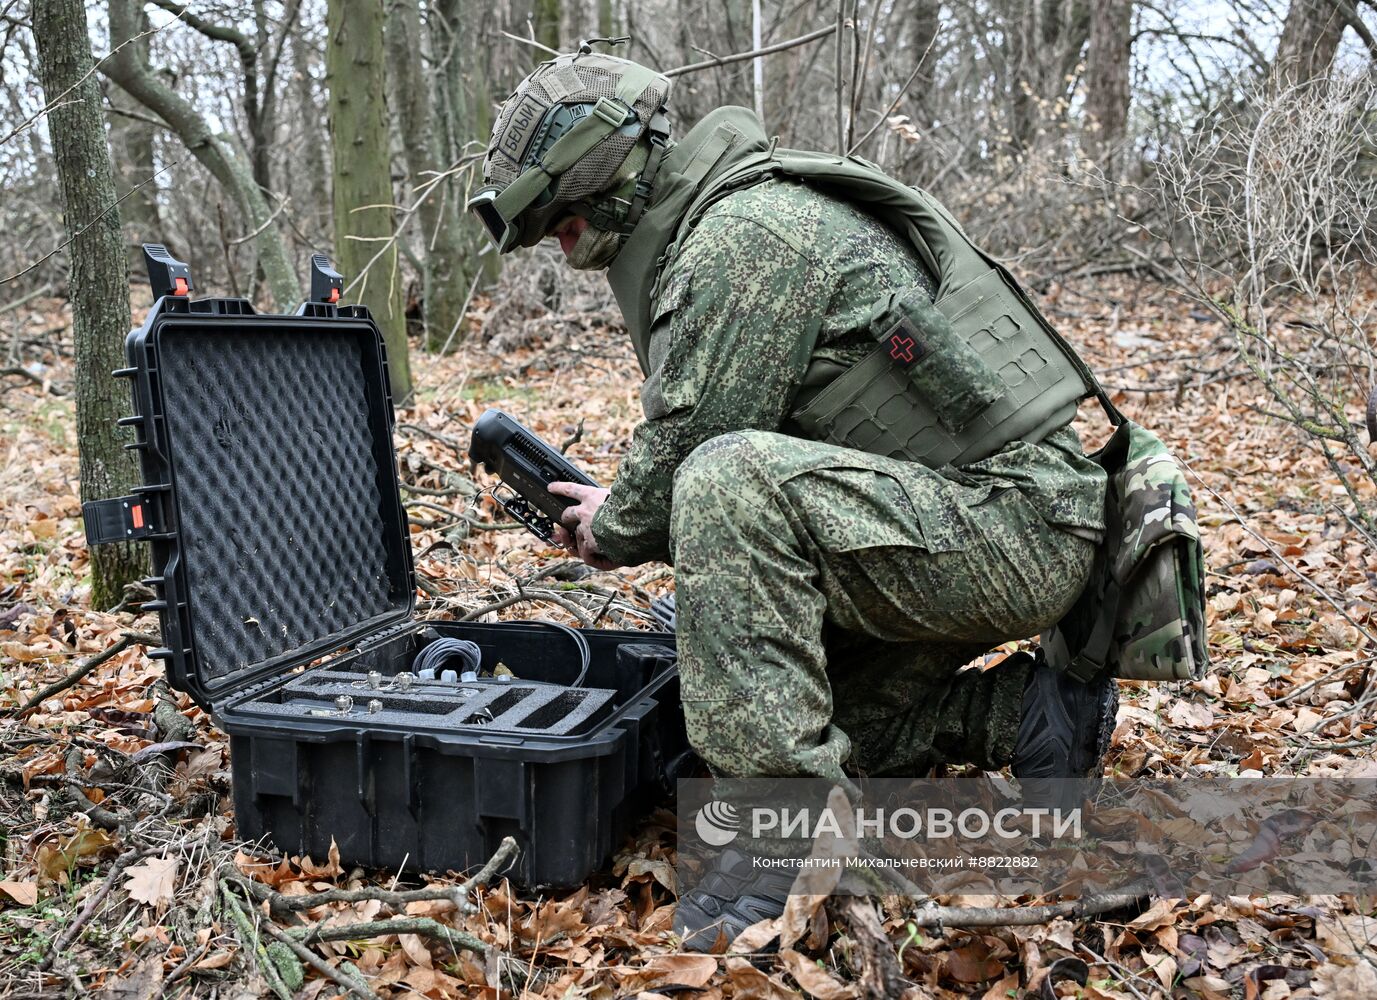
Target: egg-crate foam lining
279,472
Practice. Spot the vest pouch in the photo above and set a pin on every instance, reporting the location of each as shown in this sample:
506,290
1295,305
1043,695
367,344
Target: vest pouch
951,377
913,395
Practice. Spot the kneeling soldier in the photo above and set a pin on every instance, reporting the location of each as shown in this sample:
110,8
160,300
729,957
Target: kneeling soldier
858,497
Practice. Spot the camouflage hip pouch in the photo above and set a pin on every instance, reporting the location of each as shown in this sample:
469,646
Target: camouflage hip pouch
1143,612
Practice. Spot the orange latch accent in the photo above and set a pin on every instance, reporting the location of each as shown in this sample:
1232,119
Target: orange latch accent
180,289
334,295
136,511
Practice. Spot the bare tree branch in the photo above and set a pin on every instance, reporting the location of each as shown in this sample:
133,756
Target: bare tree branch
812,36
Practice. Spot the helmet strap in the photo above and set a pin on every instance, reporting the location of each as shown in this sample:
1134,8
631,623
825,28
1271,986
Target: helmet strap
659,129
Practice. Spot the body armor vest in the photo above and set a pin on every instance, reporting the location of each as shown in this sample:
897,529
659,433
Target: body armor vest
953,388
948,388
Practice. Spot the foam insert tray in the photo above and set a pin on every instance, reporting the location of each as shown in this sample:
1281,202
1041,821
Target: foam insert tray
486,704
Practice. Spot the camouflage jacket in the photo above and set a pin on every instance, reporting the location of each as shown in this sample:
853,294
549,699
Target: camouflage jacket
729,349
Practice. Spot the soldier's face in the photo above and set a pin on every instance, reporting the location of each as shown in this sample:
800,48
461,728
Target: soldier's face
568,232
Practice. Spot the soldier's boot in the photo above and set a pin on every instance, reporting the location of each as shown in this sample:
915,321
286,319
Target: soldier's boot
730,898
1063,736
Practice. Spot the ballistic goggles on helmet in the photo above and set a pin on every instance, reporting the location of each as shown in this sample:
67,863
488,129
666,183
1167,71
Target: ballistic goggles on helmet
567,133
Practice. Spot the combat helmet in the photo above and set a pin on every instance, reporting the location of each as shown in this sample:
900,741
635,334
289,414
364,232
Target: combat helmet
569,140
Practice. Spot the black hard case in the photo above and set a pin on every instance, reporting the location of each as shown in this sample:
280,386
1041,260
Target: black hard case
284,577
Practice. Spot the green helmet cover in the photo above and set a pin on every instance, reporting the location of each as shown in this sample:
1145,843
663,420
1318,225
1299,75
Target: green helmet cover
564,144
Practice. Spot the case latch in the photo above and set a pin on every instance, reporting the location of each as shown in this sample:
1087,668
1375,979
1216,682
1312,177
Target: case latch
119,519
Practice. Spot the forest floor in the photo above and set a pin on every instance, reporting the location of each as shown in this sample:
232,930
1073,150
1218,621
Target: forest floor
122,875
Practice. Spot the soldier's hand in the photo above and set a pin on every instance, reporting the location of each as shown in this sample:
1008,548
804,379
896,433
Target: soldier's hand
575,532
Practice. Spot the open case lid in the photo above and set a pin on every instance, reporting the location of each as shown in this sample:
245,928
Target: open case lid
277,530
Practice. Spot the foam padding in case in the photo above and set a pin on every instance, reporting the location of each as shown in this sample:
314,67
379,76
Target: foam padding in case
281,459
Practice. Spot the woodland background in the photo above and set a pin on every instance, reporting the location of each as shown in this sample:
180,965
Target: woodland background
1189,188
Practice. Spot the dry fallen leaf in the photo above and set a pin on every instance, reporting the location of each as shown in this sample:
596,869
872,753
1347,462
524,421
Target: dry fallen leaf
798,914
658,869
154,882
1191,715
816,981
23,893
756,936
749,983
1161,914
55,861
972,963
216,961
678,970
1345,982
1004,989
144,982
416,950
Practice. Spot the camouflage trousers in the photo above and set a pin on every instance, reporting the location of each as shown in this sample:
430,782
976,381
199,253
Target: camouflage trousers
827,599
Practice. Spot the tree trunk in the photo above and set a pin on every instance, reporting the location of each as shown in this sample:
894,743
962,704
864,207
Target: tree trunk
444,279
607,21
132,142
312,180
1107,78
99,275
1309,39
545,22
363,196
463,112
922,45
254,105
215,152
1045,42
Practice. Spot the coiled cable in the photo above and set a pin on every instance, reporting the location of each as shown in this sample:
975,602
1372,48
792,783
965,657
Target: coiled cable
585,655
442,653
448,653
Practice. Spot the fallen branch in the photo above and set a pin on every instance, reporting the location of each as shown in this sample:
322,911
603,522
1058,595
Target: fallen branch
37,380
525,594
443,439
457,894
184,966
74,929
306,955
880,974
72,679
41,290
1276,554
76,792
1328,675
427,491
1024,916
477,525
1125,974
456,939
572,439
253,943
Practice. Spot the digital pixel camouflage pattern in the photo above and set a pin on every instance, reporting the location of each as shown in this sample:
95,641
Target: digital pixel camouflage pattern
775,283
828,597
1144,611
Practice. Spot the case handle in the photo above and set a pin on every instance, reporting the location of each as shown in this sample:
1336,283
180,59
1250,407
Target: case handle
167,274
